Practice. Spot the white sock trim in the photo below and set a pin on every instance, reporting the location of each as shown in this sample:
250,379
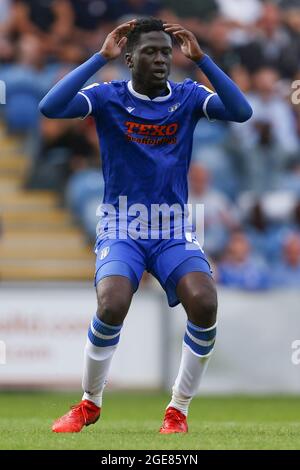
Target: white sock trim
180,402
199,328
199,355
96,399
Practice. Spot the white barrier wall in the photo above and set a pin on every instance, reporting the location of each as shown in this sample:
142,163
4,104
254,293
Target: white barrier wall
44,330
254,343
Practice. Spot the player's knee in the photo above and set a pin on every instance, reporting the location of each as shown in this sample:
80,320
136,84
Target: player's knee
112,308
114,296
203,307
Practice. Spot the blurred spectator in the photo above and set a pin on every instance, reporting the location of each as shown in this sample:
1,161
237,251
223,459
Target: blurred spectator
296,217
256,42
287,272
277,206
291,18
248,12
257,228
219,214
94,19
39,17
26,82
61,143
69,54
113,71
219,46
264,235
84,192
266,141
5,12
121,10
90,14
192,8
241,77
290,179
240,268
271,45
210,151
7,50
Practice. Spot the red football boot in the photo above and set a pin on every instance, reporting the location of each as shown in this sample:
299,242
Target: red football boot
83,414
174,421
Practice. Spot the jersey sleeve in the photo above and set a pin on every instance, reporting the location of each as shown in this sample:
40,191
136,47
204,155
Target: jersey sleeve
96,95
230,104
92,94
64,100
201,98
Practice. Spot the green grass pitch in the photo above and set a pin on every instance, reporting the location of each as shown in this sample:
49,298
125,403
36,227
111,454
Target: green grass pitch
131,421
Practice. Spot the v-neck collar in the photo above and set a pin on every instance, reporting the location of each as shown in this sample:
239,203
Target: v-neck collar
145,97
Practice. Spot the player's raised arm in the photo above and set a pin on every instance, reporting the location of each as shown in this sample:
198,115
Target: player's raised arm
63,100
229,103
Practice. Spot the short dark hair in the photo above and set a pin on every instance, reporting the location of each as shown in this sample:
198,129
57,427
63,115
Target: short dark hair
143,25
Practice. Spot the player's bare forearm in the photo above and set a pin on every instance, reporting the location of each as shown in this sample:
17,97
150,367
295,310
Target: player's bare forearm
116,40
187,41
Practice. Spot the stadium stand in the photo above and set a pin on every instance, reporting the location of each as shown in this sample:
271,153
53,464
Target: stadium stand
38,240
252,169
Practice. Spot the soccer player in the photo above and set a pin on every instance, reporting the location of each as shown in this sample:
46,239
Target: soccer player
145,126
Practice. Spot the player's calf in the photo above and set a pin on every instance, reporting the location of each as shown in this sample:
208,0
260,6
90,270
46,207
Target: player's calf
198,295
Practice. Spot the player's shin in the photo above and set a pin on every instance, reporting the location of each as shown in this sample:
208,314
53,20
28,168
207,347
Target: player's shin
197,349
101,344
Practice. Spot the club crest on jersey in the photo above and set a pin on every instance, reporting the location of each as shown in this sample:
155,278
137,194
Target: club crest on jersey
104,252
130,109
173,108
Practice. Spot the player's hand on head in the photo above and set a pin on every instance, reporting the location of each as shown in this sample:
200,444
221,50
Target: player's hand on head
187,41
116,40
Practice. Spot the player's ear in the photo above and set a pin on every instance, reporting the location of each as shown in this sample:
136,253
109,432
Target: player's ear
128,59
